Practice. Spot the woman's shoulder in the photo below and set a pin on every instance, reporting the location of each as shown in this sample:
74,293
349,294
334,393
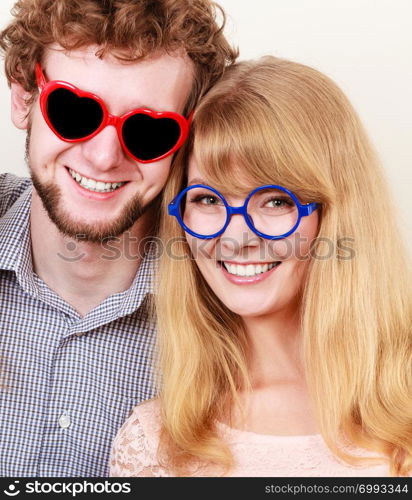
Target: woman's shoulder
147,414
143,422
135,445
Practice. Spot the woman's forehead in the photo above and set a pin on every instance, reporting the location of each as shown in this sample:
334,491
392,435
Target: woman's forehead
230,177
234,179
219,172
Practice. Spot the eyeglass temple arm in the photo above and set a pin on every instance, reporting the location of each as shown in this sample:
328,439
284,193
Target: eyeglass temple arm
40,79
172,208
308,209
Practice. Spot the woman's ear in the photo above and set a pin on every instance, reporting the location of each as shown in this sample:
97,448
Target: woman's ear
19,106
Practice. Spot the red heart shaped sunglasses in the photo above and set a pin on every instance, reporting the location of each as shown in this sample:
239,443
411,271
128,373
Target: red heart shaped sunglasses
75,115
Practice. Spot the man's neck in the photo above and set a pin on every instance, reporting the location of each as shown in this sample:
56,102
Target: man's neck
80,272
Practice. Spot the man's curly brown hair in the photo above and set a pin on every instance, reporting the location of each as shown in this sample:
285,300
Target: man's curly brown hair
127,29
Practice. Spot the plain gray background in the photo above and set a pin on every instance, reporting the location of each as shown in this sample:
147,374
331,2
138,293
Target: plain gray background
364,45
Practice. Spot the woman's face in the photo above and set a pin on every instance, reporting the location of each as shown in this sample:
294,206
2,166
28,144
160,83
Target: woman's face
274,281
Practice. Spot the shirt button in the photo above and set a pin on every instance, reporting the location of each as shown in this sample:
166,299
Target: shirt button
64,421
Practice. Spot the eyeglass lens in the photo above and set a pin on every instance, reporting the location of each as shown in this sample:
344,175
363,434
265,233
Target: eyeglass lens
147,138
270,211
74,118
71,116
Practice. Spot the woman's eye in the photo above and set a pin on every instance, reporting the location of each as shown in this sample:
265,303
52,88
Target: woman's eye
206,200
277,202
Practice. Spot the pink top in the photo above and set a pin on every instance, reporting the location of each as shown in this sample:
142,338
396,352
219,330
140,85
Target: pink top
135,447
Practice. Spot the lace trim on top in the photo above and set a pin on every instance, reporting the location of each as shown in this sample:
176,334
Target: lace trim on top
134,452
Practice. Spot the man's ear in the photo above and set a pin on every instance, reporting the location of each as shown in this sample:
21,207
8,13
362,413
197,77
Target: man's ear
19,107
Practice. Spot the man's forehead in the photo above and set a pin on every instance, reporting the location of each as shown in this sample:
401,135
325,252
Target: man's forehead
81,53
55,54
162,81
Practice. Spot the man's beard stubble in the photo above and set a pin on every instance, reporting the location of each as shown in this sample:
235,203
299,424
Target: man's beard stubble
50,195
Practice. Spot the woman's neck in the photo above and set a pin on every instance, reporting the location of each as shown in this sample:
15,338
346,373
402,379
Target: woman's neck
274,350
278,402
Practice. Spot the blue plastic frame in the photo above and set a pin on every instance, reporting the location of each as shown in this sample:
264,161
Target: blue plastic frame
303,211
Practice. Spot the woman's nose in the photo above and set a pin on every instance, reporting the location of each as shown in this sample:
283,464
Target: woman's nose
238,234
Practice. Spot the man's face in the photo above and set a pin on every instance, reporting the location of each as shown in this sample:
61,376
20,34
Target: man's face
161,83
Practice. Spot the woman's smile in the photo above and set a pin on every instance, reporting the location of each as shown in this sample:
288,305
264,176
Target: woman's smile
243,273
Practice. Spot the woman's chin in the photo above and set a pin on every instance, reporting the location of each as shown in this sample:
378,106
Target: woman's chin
250,308
252,305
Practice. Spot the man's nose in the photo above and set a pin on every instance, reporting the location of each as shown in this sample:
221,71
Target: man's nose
104,151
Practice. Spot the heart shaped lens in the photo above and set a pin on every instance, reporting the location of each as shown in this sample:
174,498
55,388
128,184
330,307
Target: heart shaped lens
71,116
148,138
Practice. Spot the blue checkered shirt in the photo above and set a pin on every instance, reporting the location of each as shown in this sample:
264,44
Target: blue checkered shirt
67,383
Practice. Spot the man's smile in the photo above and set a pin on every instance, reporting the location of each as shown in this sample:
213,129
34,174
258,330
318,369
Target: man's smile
97,186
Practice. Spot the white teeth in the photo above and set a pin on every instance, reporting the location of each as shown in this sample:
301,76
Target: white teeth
241,270
249,269
92,185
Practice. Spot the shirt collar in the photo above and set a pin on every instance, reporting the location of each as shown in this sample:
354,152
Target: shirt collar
143,282
15,255
123,303
15,241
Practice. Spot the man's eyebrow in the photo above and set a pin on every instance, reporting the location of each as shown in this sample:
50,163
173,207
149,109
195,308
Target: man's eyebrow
197,180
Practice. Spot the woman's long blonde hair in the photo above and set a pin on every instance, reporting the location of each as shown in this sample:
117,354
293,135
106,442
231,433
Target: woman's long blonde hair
279,122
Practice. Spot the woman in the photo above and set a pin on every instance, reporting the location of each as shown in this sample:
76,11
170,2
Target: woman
285,322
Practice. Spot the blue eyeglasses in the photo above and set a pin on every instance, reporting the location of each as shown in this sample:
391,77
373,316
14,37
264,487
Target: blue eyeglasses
272,212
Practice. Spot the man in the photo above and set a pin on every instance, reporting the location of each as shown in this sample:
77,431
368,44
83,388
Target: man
105,90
